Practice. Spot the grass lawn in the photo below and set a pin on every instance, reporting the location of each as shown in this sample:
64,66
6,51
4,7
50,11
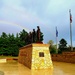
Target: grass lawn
6,57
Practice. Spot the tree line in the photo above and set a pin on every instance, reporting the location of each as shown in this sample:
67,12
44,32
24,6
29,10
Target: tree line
10,43
62,46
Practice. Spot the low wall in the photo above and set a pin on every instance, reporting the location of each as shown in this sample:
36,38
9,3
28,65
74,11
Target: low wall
64,57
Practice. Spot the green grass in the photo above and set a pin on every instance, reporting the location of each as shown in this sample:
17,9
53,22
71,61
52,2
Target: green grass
3,57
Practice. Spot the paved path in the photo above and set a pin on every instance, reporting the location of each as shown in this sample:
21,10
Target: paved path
14,68
1,73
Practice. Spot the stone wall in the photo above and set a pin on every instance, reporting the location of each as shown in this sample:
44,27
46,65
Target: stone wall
25,55
39,62
36,56
64,57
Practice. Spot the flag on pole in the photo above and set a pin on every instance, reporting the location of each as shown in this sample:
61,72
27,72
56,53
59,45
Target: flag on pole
56,32
70,16
71,29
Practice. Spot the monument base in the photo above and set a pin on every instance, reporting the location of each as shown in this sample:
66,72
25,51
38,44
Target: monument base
35,56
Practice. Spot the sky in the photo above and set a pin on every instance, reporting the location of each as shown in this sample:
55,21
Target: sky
16,15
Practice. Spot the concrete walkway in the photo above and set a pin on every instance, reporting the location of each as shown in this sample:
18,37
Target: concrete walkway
12,67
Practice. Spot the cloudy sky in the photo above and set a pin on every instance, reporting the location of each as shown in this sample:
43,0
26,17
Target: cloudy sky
16,15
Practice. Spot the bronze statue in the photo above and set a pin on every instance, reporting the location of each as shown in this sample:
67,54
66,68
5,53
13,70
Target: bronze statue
38,34
30,38
34,36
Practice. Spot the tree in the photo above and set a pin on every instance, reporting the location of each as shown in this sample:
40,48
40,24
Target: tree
41,36
10,44
51,42
23,35
4,35
62,44
52,47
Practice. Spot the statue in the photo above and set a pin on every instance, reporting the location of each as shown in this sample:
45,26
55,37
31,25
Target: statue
30,38
34,36
38,34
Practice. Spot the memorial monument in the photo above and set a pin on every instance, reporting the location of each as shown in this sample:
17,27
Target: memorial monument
35,55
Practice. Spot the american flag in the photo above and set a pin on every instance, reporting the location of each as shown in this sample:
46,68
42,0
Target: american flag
70,16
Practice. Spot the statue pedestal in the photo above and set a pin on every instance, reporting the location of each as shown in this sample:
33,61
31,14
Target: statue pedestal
35,56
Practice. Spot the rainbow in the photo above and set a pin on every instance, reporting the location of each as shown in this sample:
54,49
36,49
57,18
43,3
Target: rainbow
15,24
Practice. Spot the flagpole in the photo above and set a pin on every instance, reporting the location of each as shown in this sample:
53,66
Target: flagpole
71,29
56,45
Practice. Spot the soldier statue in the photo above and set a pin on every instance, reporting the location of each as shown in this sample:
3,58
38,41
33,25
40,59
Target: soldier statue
34,36
38,34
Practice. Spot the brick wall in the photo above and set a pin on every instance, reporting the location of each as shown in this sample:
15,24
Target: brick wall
25,55
64,57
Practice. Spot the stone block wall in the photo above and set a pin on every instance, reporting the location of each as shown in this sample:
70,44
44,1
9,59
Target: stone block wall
36,56
25,55
68,57
41,62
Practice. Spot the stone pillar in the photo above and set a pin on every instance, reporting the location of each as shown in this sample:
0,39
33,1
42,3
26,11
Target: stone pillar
36,56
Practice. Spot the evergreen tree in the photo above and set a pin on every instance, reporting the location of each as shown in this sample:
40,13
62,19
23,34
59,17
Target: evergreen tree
41,37
62,44
23,35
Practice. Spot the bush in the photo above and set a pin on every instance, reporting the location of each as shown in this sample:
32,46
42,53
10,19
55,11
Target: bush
59,51
52,50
